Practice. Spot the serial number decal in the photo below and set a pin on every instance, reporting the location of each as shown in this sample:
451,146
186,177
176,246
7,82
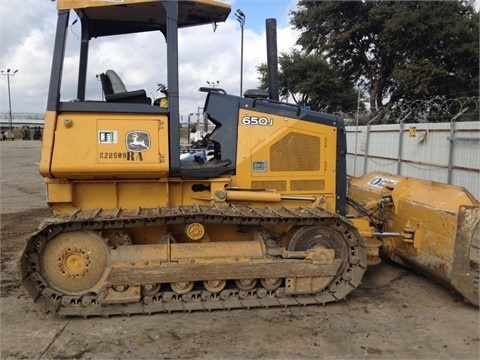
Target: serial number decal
128,156
256,120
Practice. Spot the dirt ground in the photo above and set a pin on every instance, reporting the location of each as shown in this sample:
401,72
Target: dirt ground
395,314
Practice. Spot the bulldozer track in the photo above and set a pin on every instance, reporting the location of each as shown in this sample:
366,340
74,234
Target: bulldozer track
196,300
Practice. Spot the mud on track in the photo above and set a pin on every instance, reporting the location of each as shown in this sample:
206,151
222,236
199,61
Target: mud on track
394,314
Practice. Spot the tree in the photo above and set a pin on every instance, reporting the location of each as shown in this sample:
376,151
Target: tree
397,50
311,81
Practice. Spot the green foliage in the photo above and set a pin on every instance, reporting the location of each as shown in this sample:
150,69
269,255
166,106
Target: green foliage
397,50
311,81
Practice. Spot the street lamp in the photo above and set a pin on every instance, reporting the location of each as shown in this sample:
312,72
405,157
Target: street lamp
8,74
240,16
213,83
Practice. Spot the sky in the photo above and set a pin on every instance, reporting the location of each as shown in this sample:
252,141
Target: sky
27,30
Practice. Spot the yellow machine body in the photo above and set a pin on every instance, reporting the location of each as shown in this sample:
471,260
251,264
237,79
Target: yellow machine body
435,227
80,147
136,229
261,222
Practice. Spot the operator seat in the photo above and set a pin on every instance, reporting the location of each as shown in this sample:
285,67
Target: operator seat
115,90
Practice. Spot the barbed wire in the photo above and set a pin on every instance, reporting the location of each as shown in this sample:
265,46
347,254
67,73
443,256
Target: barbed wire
420,111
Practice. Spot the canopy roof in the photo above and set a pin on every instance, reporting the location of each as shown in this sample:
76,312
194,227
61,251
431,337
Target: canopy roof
113,17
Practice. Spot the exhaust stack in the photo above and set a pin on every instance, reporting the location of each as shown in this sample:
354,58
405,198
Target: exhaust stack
272,59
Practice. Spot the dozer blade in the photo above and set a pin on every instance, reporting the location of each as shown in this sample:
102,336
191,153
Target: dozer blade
429,226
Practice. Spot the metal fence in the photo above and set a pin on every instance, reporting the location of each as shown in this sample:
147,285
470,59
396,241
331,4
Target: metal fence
447,152
15,116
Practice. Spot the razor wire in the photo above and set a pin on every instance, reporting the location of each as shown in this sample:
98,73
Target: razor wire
419,111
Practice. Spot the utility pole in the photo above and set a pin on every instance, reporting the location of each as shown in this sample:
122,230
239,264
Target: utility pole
240,16
8,74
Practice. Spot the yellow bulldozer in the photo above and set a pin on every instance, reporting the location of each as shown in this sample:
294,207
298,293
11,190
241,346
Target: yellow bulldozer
271,219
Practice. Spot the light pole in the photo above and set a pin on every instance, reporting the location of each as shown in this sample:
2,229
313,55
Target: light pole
240,16
8,74
213,83
101,85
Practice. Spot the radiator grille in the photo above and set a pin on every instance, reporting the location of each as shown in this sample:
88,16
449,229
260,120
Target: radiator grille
296,152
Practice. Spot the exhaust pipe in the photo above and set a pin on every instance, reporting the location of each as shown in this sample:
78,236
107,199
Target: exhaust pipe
272,59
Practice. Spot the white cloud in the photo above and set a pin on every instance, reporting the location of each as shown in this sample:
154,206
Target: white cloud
27,36
27,42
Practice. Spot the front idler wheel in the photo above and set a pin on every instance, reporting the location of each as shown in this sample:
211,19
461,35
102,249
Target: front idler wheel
74,263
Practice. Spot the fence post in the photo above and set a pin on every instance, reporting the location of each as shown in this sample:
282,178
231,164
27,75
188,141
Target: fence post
356,135
400,143
365,159
400,149
355,153
451,140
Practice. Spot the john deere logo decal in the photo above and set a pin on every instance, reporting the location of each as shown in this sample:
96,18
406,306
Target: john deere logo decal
137,141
